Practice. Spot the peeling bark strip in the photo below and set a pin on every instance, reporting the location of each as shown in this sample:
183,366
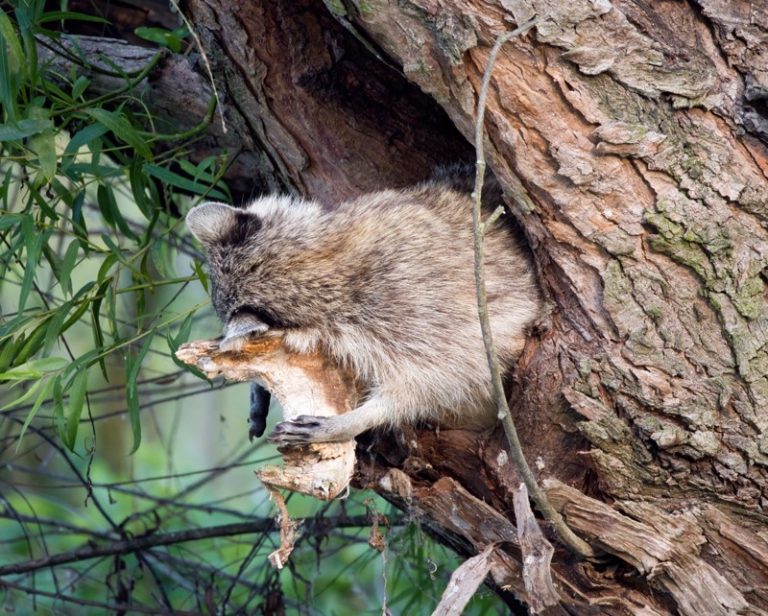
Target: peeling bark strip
463,584
304,385
537,556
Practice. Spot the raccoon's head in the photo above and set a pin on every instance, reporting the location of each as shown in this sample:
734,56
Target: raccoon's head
259,280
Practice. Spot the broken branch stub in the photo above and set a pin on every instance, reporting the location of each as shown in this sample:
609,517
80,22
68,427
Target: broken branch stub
305,384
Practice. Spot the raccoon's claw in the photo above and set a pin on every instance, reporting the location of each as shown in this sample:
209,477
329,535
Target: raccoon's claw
300,430
255,428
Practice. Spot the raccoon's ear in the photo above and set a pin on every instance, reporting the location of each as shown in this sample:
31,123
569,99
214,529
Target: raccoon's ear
211,222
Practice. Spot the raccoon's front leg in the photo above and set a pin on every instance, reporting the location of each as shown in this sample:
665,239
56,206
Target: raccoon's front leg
306,429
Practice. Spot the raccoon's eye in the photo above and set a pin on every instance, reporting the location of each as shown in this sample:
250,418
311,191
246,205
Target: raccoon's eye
264,315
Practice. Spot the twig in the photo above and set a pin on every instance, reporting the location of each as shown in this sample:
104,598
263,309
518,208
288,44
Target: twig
569,538
464,582
279,557
115,608
207,63
144,542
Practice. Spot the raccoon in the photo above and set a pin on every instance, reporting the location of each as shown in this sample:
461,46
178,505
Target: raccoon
383,283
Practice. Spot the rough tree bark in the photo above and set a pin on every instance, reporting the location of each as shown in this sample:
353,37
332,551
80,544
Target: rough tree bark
630,138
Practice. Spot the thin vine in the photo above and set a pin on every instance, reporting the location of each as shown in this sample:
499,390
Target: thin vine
568,537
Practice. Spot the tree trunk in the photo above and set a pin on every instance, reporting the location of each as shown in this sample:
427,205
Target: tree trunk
631,140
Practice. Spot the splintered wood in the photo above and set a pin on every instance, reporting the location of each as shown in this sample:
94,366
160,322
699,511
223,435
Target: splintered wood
306,384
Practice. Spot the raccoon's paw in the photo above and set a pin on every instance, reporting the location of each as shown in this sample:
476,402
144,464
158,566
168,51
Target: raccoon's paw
303,430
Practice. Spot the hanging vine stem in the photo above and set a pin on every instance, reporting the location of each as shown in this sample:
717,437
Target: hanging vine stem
567,536
206,62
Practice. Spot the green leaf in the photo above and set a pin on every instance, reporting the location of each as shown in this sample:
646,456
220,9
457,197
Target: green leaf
18,324
111,213
106,266
58,407
70,15
6,186
201,275
55,327
84,136
11,67
7,351
106,200
24,397
81,85
184,330
180,338
79,311
8,35
9,220
42,202
33,342
132,366
68,265
121,127
174,179
35,369
98,334
139,188
172,39
13,131
162,258
54,261
46,388
77,392
113,248
44,145
34,245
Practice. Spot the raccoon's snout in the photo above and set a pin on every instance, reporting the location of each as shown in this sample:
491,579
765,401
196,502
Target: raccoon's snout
244,322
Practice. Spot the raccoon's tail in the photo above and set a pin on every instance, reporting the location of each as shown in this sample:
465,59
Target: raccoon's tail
461,177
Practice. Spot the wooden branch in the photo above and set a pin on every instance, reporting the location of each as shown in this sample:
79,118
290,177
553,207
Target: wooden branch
155,540
663,547
305,385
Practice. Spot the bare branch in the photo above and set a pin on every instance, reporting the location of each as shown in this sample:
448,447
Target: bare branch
116,608
145,542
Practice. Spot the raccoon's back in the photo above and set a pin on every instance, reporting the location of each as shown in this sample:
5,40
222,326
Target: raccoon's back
411,255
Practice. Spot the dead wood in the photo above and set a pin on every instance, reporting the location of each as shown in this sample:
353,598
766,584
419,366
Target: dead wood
304,385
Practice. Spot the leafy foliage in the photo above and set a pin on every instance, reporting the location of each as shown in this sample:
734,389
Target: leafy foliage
86,188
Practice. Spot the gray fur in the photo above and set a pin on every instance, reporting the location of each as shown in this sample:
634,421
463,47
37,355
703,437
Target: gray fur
385,284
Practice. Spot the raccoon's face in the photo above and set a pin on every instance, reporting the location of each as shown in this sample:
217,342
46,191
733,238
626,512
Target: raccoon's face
245,282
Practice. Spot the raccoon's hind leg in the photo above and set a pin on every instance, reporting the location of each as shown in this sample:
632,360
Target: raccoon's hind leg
305,429
258,411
